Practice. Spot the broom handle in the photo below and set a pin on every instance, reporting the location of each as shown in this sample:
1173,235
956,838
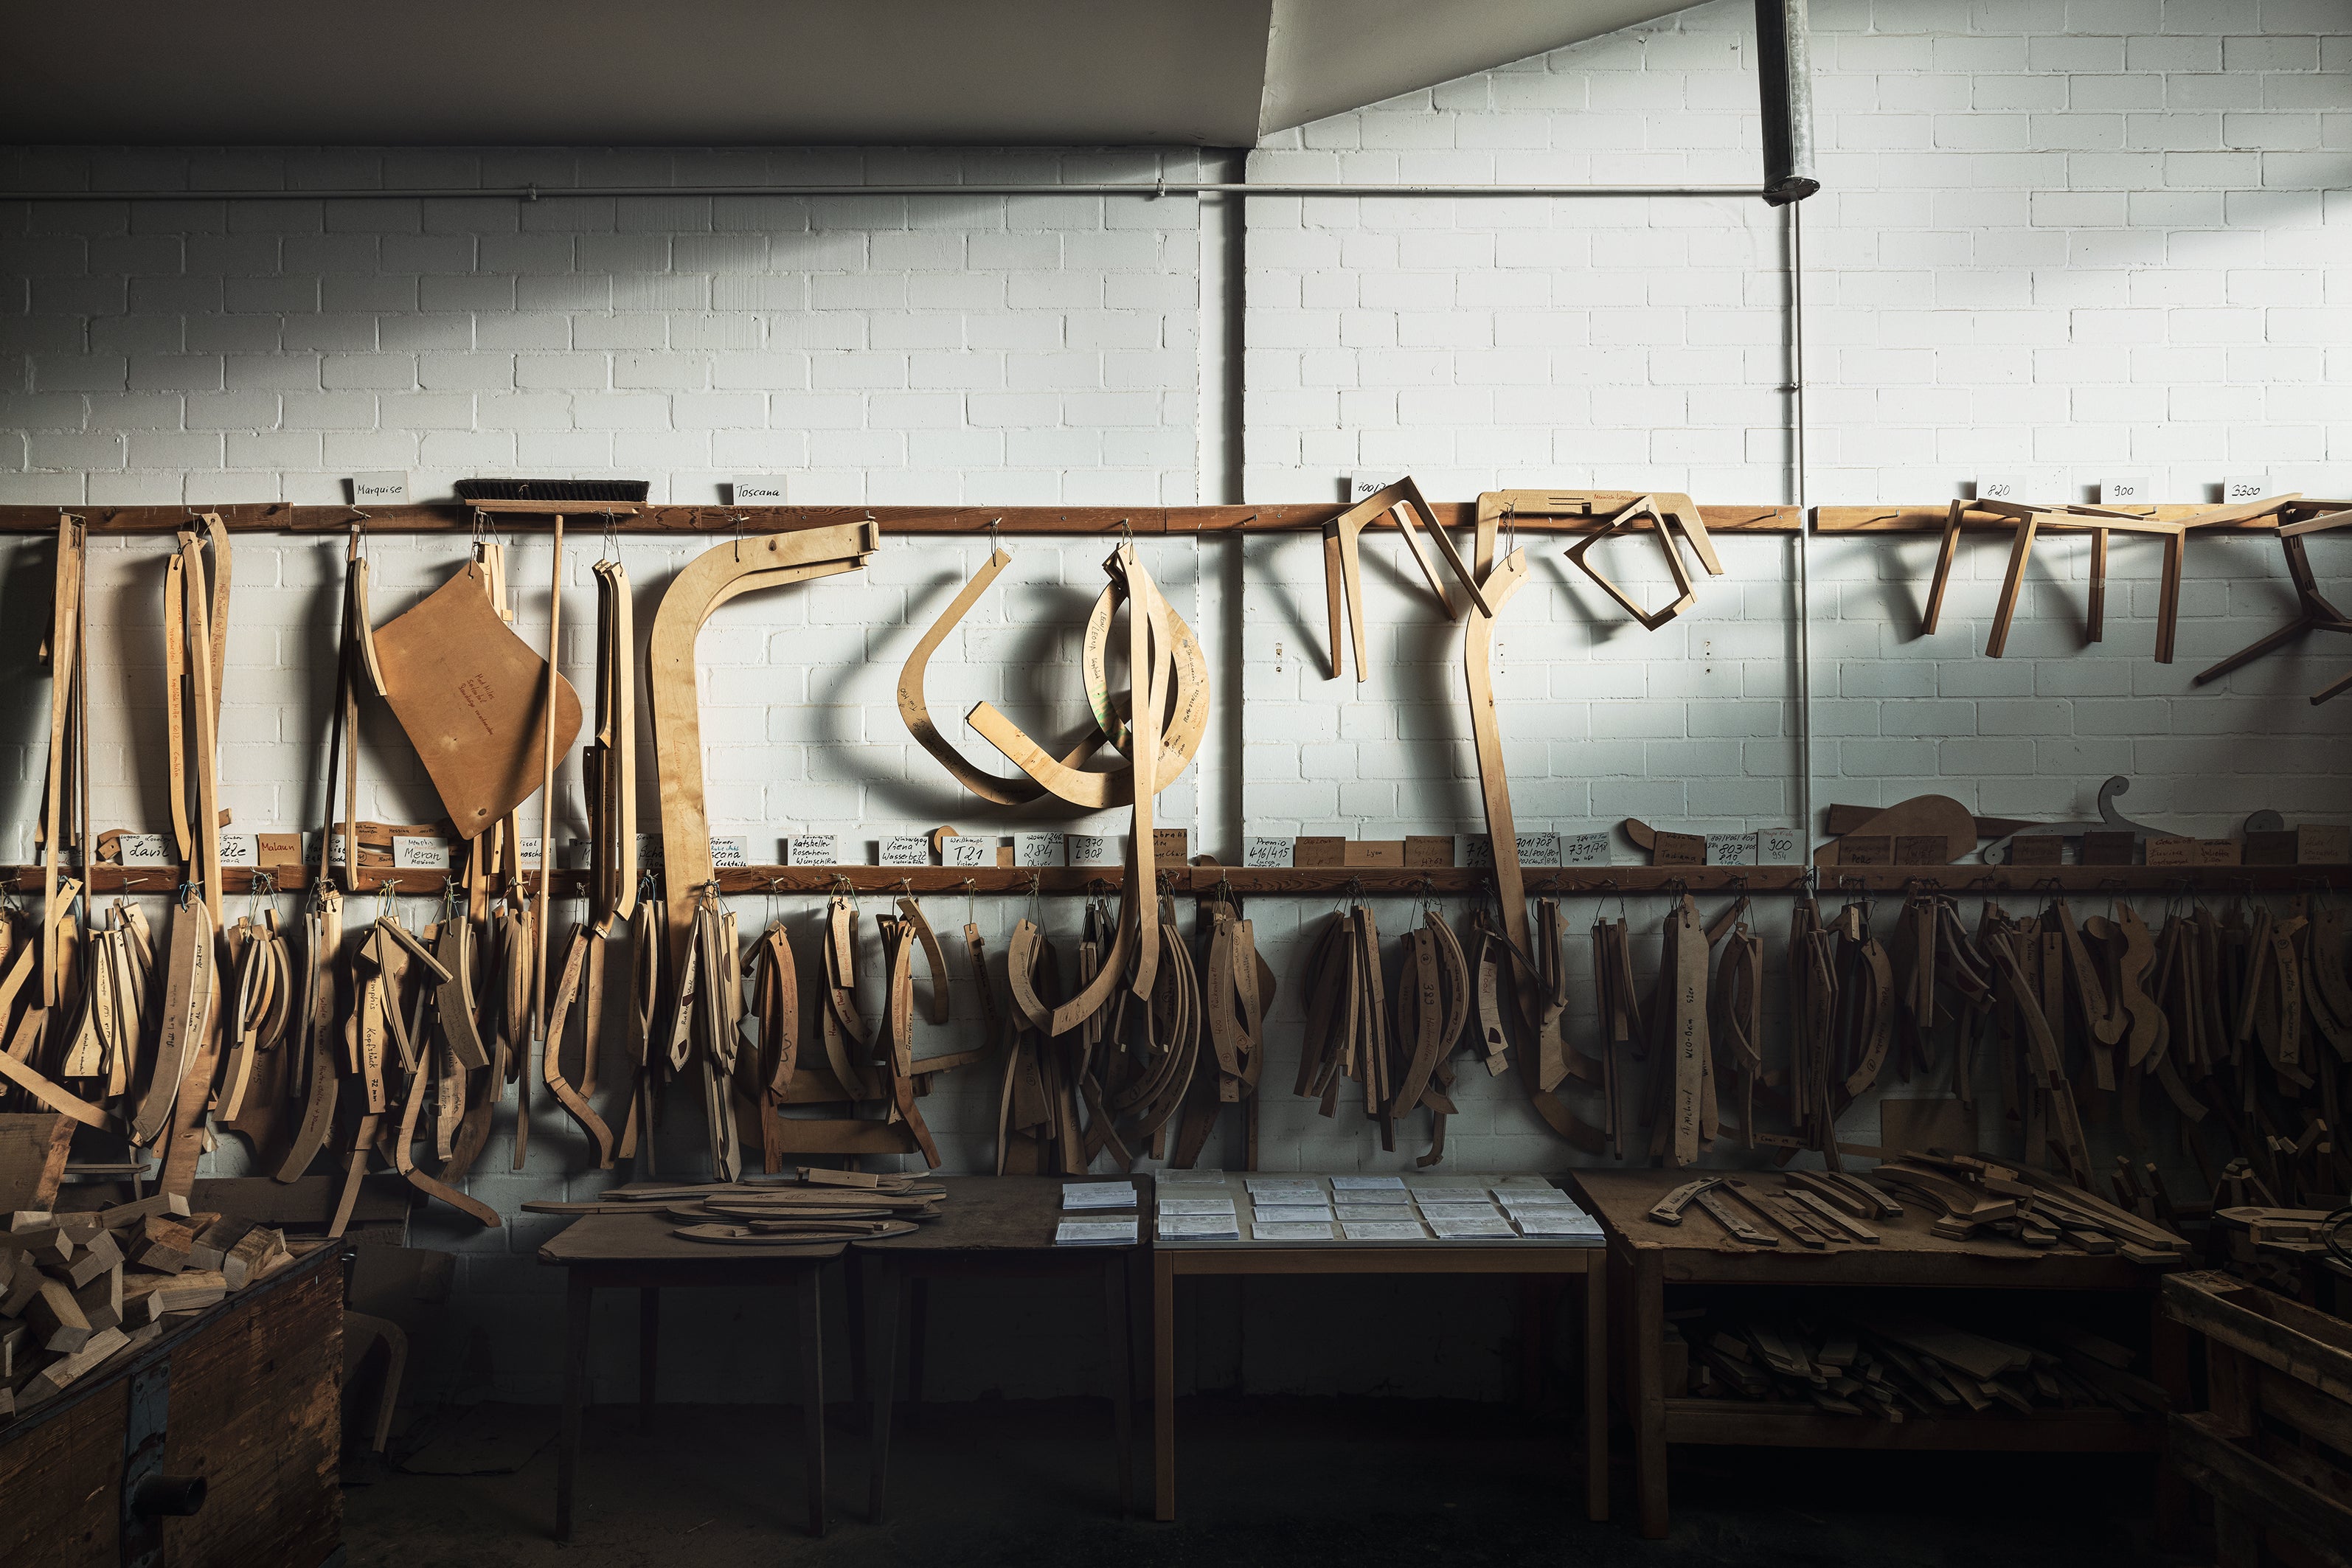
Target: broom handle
547,793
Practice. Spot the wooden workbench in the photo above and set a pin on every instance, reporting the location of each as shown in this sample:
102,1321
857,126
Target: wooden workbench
1646,1258
988,1227
634,1252
247,1395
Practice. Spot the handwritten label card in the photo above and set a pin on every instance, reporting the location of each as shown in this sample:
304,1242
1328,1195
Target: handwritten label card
1584,849
964,849
1091,850
1266,854
811,850
1678,850
1474,850
1731,849
1779,847
1538,849
2245,488
239,849
1039,848
147,849
906,850
413,853
730,854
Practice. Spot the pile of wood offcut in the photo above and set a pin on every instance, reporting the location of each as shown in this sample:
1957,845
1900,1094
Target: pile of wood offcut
1898,1366
1972,1193
77,1291
821,1206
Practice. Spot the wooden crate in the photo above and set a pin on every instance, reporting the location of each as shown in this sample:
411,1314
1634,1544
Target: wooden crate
2272,1448
253,1406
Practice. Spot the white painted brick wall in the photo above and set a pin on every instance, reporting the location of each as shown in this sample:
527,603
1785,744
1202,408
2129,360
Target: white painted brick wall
2056,240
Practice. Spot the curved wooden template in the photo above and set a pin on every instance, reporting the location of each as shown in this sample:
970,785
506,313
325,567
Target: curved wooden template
322,1006
709,581
935,958
551,1059
616,600
914,708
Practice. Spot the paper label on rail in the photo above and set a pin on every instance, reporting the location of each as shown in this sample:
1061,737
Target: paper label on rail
1091,850
810,849
1584,849
1779,847
1266,854
146,849
966,849
1537,850
378,490
413,852
758,490
1731,849
2127,490
2245,488
1997,487
1475,850
239,849
1039,848
906,850
527,853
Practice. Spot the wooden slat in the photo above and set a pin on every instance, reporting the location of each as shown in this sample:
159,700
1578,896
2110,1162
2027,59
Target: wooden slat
1313,882
2272,1497
2298,1340
450,517
1800,1427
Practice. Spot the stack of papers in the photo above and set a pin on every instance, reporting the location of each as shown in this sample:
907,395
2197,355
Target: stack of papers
1201,1218
1544,1211
1097,1195
1095,1232
1401,1227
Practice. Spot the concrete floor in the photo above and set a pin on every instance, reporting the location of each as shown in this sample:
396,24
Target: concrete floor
1302,1484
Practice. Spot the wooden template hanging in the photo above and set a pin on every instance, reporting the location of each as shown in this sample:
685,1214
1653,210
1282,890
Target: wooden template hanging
1343,584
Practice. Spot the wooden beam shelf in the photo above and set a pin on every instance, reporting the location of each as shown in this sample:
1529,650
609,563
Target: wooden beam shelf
1451,881
454,518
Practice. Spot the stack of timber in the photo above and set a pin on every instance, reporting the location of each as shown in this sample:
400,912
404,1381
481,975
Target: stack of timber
80,1290
1897,1366
1973,1193
821,1206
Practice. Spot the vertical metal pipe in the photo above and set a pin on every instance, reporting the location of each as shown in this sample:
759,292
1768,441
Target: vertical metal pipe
1784,87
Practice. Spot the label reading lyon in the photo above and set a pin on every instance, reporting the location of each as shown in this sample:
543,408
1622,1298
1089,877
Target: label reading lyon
1092,849
906,850
1538,848
1731,849
1584,849
146,849
965,849
410,852
811,850
1038,849
239,849
1266,854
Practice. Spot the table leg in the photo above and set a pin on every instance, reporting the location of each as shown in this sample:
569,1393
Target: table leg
1122,1379
577,1294
809,1290
1596,1385
1646,1308
881,1381
853,1279
919,1323
648,1347
2169,1360
1163,1385
1531,1342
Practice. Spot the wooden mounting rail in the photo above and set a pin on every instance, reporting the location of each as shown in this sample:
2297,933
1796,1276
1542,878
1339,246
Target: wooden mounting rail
1929,518
1450,881
453,518
457,519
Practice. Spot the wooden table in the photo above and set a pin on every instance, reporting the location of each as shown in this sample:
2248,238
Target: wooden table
988,1227
1646,1257
631,1251
1522,1257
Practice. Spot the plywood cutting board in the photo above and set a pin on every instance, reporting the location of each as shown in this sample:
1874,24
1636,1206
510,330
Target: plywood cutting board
468,692
1917,817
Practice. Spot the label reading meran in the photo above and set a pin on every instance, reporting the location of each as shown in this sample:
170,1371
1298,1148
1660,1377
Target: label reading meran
414,854
811,850
906,850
